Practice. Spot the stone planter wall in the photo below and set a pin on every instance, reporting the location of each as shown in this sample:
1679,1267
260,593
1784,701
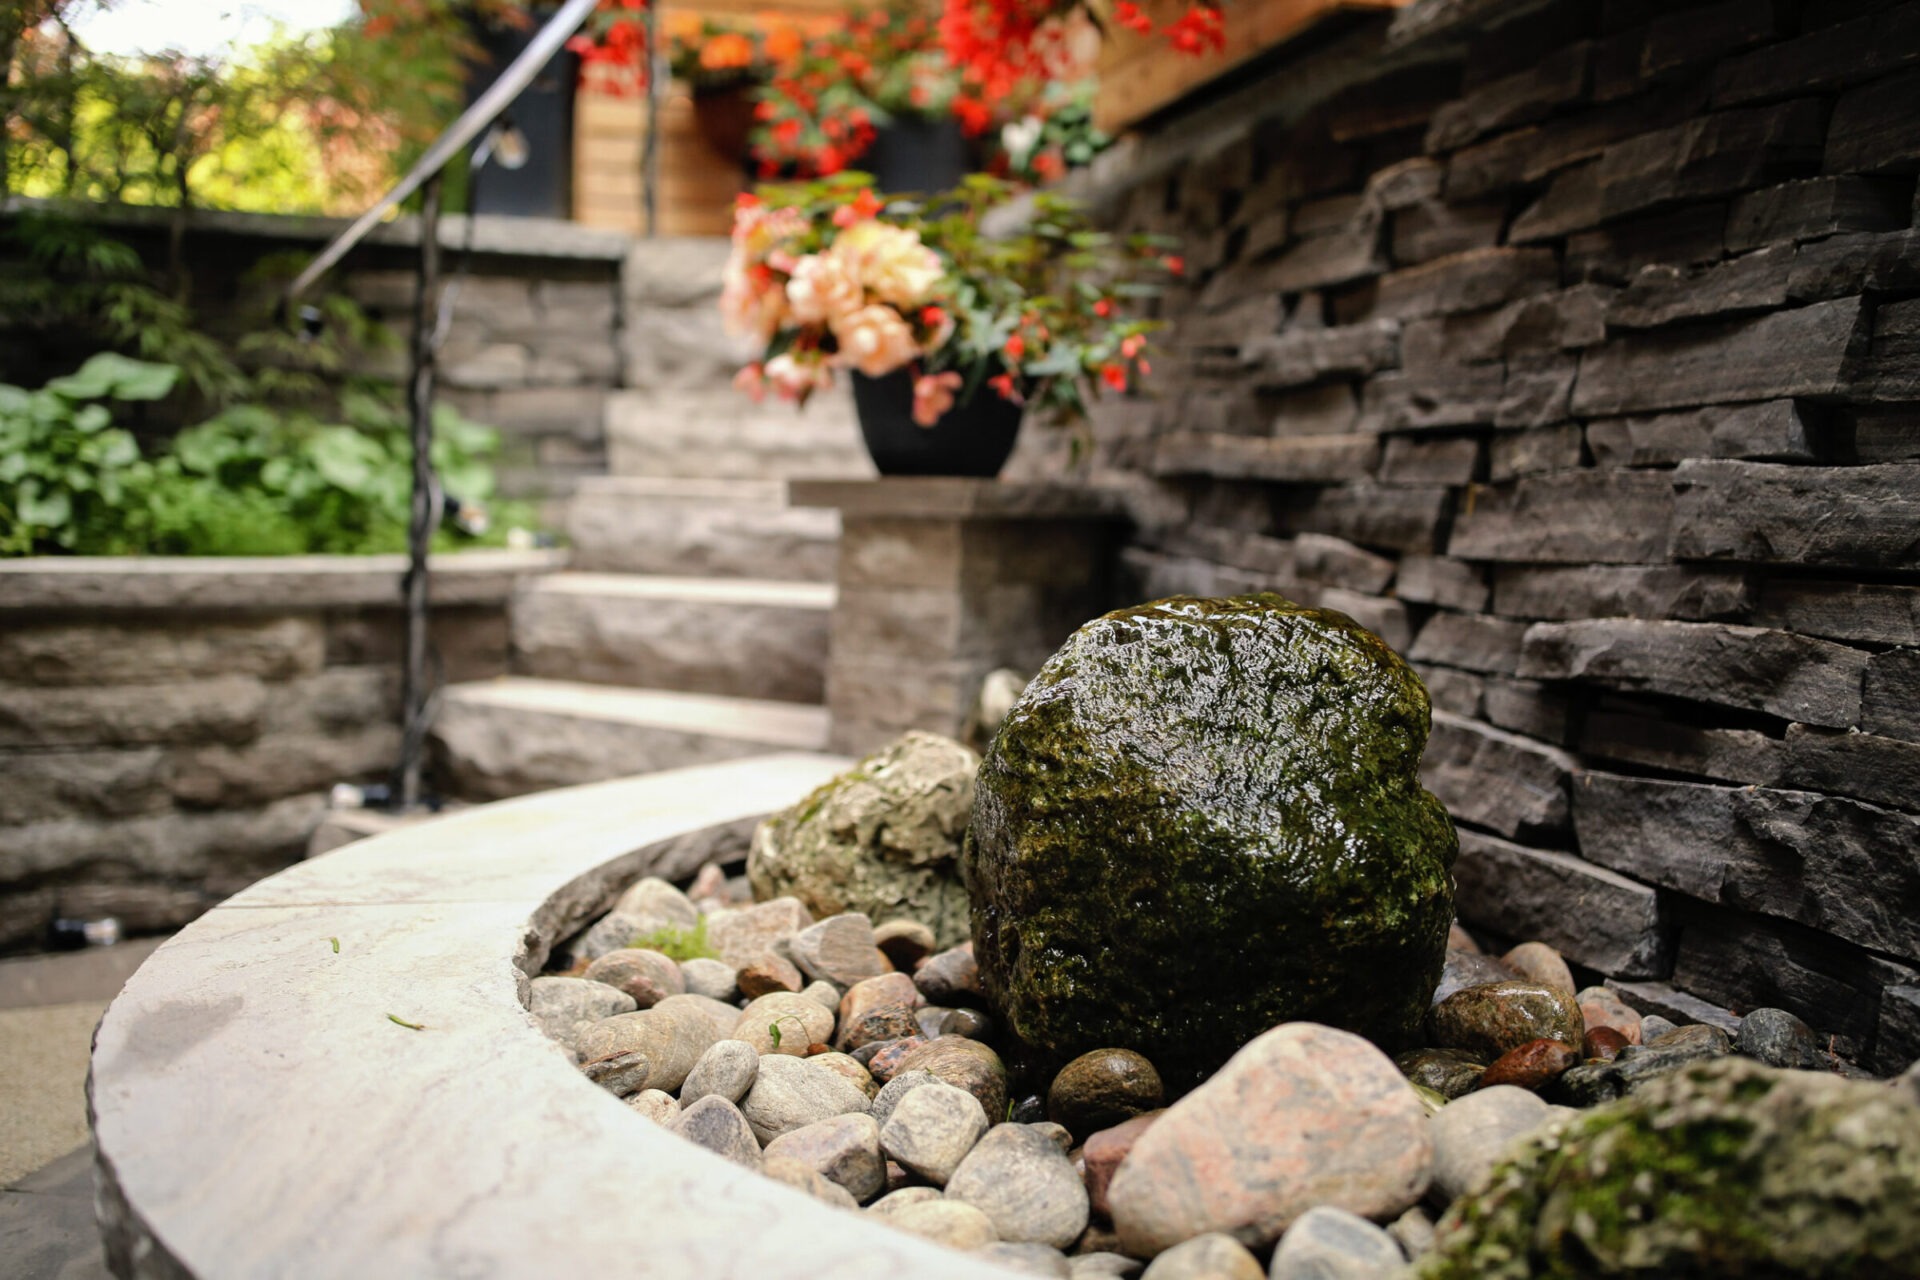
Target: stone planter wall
169,728
534,345
1575,356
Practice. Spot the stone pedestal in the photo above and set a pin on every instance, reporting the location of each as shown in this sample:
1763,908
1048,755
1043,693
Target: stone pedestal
941,580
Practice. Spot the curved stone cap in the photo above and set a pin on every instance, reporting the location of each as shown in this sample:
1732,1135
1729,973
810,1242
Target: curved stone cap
257,1112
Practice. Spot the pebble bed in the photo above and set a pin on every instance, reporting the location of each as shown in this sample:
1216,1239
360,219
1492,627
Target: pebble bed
859,1064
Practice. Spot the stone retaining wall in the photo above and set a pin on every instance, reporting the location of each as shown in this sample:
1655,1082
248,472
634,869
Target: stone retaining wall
169,729
1576,356
533,347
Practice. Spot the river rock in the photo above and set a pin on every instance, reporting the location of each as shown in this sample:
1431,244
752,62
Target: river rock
1533,1065
971,1023
822,993
1332,1244
770,973
846,1067
1669,1052
612,932
648,976
1589,1085
1653,1026
1022,1182
1463,969
670,1036
1103,1265
948,1222
1721,1168
1302,1116
882,839
875,993
1098,1090
654,904
719,1013
888,1022
905,943
1538,962
1470,1134
711,978
1211,772
1212,1256
839,950
1458,939
1027,1259
565,1007
803,1177
742,935
725,1070
1779,1039
951,978
883,1058
843,1149
802,1022
1603,1044
1413,1232
966,1064
1448,1072
791,1093
930,1130
895,1089
1105,1151
656,1105
620,1074
1494,1017
1600,1007
716,1124
894,1201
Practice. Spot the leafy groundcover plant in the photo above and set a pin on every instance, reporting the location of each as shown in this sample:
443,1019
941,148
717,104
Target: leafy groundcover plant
832,277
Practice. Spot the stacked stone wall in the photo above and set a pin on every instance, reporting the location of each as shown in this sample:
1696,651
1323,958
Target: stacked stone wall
160,754
1577,357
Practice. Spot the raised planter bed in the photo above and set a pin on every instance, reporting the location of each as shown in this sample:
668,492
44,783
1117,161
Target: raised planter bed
257,1112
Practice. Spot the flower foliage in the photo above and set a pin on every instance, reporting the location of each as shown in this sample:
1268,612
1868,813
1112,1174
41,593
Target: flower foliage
998,43
831,277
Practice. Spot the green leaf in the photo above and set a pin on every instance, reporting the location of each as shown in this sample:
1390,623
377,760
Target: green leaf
118,376
344,458
49,511
92,418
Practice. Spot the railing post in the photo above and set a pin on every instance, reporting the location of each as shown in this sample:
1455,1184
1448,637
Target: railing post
427,498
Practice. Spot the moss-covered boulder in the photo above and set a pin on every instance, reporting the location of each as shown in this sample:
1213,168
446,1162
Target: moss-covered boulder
1203,818
882,839
1725,1168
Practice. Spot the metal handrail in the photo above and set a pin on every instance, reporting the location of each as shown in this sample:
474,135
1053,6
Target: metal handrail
485,110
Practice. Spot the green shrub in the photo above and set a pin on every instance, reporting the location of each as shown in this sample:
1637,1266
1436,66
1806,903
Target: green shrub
680,945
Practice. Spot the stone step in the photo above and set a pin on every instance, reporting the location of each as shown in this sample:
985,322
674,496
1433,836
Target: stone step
741,637
715,431
514,735
699,527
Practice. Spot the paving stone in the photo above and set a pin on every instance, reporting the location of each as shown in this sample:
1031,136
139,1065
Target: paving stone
1340,563
1572,202
1718,154
1407,460
1796,855
1536,392
1574,517
1875,126
217,850
1878,613
1814,207
1452,584
48,786
1882,770
1491,778
1800,352
1847,53
1692,234
1653,440
1633,591
1530,707
1303,356
100,652
1351,253
1406,183
1328,409
1472,641
1680,40
1470,281
1385,618
1793,677
1755,511
1407,520
1520,892
1891,372
1457,691
1843,265
1673,1007
1662,295
1726,755
218,709
1538,452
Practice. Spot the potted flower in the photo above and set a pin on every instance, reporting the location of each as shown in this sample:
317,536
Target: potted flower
726,61
948,333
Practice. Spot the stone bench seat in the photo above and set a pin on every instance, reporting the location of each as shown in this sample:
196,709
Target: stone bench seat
258,1111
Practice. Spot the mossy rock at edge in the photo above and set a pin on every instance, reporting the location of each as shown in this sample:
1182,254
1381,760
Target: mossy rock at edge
1204,818
1726,1168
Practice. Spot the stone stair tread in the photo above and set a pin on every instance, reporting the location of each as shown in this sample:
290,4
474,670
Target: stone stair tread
664,587
774,724
682,489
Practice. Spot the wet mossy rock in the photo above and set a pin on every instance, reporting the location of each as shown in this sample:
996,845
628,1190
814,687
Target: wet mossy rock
1727,1168
882,839
1204,818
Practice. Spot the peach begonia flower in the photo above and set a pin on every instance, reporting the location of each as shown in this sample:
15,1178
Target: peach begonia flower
751,303
751,381
822,289
875,340
933,396
890,261
794,379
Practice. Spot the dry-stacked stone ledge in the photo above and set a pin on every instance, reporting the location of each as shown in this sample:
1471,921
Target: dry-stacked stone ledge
261,1107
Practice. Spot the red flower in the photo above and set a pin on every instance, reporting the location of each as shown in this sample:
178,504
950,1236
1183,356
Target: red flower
1016,347
1131,345
1114,376
1130,16
1002,384
865,205
973,115
1103,308
1175,264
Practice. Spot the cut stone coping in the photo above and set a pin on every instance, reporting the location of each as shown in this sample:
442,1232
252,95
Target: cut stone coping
953,497
739,591
277,583
257,1112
